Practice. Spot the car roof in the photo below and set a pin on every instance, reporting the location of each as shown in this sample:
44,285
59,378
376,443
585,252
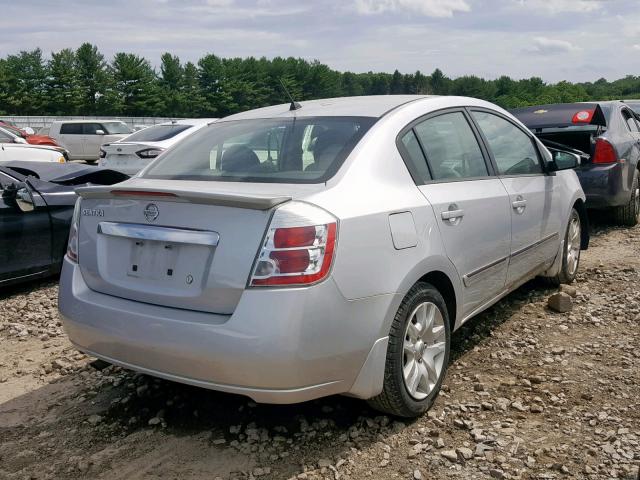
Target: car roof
186,121
364,106
90,120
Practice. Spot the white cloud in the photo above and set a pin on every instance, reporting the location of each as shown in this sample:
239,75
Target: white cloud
429,8
636,47
551,46
562,6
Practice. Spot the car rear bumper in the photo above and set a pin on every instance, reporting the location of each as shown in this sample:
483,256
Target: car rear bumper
279,345
604,185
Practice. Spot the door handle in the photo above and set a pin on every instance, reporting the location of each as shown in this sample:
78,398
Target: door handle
452,215
519,204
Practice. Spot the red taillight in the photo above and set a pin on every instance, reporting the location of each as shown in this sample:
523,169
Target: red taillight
583,116
604,152
294,237
297,264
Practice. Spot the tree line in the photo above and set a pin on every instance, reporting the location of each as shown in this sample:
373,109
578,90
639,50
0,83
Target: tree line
83,82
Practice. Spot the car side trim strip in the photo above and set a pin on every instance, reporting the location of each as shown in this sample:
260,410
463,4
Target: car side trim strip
470,278
535,245
159,234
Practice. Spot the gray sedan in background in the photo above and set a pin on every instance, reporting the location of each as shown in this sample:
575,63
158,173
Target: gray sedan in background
299,251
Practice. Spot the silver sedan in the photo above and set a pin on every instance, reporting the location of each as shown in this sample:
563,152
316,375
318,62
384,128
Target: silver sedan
332,247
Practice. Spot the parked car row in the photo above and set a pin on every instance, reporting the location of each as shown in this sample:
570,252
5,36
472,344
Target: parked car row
327,247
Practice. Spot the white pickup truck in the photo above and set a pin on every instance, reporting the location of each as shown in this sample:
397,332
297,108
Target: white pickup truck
83,138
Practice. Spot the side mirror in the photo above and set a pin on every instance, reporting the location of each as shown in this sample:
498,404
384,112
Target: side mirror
19,194
29,131
24,199
19,140
99,132
565,160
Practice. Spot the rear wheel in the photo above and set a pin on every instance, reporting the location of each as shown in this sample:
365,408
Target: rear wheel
417,355
570,252
629,214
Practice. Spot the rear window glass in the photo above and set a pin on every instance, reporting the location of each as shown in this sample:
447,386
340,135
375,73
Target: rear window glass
291,150
116,128
157,133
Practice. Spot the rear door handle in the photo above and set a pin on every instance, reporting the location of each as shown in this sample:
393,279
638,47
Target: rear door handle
452,215
519,204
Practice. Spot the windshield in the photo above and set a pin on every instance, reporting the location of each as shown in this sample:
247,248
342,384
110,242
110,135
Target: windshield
157,133
298,150
116,128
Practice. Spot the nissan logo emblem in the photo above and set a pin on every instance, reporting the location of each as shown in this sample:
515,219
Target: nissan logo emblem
151,212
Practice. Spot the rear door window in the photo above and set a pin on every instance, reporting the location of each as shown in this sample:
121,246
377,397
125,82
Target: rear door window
414,157
451,147
630,120
71,129
513,150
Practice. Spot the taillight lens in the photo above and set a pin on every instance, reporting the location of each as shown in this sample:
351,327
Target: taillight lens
149,152
604,152
298,249
72,246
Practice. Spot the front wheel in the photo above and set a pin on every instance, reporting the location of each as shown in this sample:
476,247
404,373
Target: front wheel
417,355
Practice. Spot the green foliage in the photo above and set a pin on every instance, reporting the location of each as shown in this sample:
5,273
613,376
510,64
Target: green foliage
83,82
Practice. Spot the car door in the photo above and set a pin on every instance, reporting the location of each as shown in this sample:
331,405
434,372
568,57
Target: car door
629,143
92,139
25,237
536,223
72,138
469,202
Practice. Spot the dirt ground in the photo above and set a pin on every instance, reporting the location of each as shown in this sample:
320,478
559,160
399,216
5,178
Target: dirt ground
530,394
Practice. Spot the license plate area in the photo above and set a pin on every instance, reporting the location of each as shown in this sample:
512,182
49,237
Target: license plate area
155,260
150,259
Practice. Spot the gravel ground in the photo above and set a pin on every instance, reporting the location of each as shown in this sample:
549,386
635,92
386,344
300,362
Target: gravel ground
530,394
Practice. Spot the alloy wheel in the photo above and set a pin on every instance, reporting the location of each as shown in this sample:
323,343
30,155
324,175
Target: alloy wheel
573,245
424,349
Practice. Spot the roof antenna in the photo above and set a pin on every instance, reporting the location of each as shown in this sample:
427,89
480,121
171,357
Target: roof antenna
294,105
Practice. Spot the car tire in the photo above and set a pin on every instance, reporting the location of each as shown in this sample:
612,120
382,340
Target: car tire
570,251
629,214
417,354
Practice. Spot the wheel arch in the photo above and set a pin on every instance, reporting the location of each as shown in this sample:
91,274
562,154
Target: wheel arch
581,208
444,285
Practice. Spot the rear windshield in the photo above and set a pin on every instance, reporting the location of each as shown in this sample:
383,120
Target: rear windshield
291,150
157,133
116,128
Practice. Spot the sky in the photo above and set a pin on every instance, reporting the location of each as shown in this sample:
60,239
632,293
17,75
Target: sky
574,40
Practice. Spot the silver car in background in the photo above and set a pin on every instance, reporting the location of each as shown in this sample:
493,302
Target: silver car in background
131,154
293,252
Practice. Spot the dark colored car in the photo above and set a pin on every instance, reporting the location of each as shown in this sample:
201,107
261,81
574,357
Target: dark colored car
606,135
36,206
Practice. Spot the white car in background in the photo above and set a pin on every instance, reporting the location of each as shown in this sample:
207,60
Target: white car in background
133,153
83,138
16,148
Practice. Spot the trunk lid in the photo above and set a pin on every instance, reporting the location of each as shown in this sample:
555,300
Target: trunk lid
191,245
122,156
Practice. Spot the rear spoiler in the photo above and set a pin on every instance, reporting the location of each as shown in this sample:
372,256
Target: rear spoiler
560,115
238,200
